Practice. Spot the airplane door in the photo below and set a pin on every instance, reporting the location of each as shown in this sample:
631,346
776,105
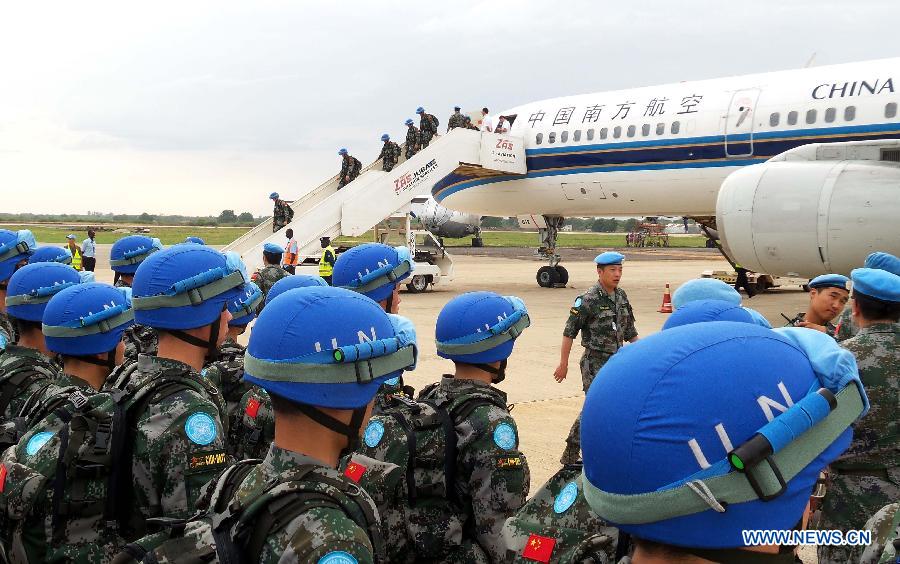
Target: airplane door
739,123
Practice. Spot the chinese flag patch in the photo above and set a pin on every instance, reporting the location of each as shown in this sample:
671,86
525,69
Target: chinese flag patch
252,407
2,477
539,548
355,471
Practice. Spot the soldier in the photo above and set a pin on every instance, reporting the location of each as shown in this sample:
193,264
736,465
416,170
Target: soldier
885,528
428,126
685,432
27,367
283,213
124,257
327,260
15,249
390,154
469,124
176,441
270,273
413,139
605,320
51,254
844,323
867,476
456,119
350,168
828,294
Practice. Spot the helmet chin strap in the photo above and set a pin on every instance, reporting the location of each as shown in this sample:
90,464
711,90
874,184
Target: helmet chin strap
350,430
212,350
499,374
109,362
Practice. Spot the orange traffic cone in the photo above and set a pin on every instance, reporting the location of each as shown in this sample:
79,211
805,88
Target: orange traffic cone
666,306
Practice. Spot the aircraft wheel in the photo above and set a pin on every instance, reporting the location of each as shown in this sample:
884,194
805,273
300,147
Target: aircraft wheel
417,284
562,274
547,276
477,242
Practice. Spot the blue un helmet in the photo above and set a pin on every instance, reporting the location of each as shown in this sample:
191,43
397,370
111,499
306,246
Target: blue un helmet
32,286
15,247
385,137
198,240
704,289
328,347
86,320
187,287
702,311
51,254
342,151
128,252
373,269
420,110
480,328
408,122
274,196
243,307
293,282
697,433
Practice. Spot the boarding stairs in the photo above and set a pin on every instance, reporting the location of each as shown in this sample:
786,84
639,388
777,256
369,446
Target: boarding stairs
376,195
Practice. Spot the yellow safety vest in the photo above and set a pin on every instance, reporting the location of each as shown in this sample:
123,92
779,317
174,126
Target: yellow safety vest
325,268
76,257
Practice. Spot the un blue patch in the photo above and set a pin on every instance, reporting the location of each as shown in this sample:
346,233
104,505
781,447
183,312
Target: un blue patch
566,498
2,341
577,302
392,381
373,434
200,428
505,436
36,442
338,557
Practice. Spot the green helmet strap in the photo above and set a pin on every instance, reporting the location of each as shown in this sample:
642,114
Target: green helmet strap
359,372
487,344
195,296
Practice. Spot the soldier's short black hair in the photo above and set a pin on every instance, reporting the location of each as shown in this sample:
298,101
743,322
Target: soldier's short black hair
24,326
485,110
289,233
662,551
272,258
877,310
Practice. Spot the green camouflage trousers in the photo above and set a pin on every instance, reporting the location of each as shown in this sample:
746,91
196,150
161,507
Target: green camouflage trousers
591,363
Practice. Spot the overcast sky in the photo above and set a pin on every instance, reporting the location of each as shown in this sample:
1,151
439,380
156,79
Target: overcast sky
193,107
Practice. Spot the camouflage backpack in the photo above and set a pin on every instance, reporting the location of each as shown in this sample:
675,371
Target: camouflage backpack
420,437
232,532
556,525
18,376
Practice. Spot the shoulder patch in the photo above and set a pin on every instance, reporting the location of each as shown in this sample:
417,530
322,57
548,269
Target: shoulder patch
566,498
578,302
36,442
508,462
252,409
373,434
200,461
338,557
505,436
200,428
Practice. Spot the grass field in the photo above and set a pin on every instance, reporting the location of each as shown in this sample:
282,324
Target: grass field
52,234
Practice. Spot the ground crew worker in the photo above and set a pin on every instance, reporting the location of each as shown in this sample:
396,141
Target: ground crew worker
428,126
867,476
51,254
75,250
327,260
125,256
89,251
177,439
270,273
282,214
685,432
743,282
456,119
828,294
413,139
605,320
350,168
15,249
291,252
390,153
195,240
844,323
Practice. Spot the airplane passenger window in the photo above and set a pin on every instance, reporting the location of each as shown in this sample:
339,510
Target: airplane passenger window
577,135
631,130
603,132
539,138
564,136
676,127
551,137
645,129
660,128
792,118
811,116
590,135
617,132
774,119
829,115
890,110
849,113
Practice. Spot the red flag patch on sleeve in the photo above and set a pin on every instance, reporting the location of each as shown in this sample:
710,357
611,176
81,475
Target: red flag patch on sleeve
539,548
2,477
355,471
252,407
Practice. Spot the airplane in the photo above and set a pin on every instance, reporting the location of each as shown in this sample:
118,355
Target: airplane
446,223
795,172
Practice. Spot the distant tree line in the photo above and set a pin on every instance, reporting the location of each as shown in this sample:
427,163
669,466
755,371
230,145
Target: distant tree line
595,224
227,217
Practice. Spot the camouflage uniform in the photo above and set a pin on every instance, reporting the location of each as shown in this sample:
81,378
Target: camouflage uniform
52,396
885,528
428,127
350,167
281,216
7,332
389,155
254,424
830,328
265,278
867,476
41,371
177,447
605,323
413,141
456,120
845,327
139,339
227,374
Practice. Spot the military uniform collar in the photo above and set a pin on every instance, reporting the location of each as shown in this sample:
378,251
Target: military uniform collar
452,385
883,327
66,379
149,364
25,352
281,463
602,291
232,345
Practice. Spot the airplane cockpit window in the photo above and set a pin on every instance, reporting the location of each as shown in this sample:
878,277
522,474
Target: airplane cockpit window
564,136
676,127
539,138
829,115
631,130
890,110
603,132
577,135
849,113
551,137
774,119
645,129
660,128
792,118
590,134
617,132
811,116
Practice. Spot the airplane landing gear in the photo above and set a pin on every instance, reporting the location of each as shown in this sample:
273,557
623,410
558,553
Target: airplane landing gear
553,275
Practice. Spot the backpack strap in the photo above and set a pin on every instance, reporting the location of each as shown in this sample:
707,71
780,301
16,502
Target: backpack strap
21,375
450,448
